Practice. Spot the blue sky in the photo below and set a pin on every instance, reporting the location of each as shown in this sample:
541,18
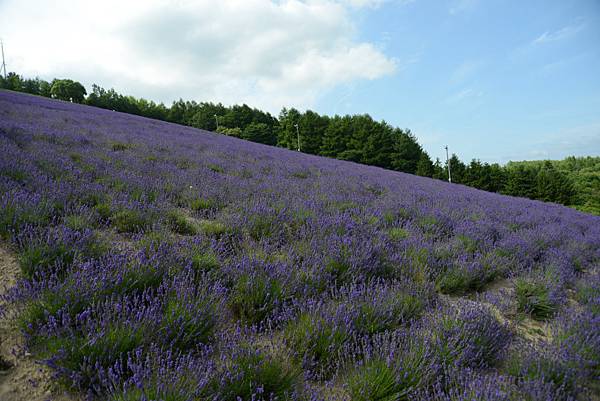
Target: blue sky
495,80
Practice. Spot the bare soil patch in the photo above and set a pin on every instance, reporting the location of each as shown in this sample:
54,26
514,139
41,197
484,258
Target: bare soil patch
22,378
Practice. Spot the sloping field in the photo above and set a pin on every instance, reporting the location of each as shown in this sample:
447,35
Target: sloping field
160,262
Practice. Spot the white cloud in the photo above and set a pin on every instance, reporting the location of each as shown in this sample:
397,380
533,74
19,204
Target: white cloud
460,6
268,53
560,34
467,93
373,3
465,70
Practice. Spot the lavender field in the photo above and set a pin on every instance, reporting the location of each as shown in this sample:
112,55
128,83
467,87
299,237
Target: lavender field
160,262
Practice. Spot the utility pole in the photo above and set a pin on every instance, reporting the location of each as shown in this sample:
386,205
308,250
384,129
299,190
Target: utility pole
298,134
3,63
448,164
217,119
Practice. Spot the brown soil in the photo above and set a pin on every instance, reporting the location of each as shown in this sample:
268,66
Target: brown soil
22,378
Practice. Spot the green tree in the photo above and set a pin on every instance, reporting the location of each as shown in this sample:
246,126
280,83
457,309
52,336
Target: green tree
13,82
235,132
406,151
286,134
439,170
67,89
336,136
553,186
259,132
425,167
457,169
521,181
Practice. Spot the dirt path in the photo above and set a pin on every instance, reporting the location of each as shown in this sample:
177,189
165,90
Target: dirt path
21,377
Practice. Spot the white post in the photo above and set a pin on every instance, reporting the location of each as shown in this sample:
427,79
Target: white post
3,63
448,164
298,134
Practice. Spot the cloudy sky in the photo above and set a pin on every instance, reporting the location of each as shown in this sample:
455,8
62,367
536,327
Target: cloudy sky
496,80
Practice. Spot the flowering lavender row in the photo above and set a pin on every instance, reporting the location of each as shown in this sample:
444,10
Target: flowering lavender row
161,262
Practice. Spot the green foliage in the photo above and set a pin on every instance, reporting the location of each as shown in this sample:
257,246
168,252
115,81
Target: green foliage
376,381
316,341
13,218
533,297
151,392
105,350
79,222
260,227
190,321
17,83
397,234
215,168
213,228
42,257
254,297
67,89
387,314
130,221
259,132
252,370
35,312
459,280
541,366
104,210
137,278
199,204
338,269
179,223
235,132
16,175
205,262
120,146
425,167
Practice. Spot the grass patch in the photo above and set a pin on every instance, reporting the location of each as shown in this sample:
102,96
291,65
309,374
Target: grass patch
254,297
13,217
79,222
376,380
76,356
215,168
253,373
135,279
15,174
45,258
205,262
200,204
120,146
388,313
130,221
460,280
316,342
213,228
397,234
178,223
261,227
533,298
190,322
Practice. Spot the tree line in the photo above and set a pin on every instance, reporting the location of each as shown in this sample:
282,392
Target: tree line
356,138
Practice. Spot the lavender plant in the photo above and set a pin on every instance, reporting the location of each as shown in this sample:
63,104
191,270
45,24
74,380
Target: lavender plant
158,260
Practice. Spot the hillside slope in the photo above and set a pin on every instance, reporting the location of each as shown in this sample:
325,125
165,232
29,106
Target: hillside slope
163,261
